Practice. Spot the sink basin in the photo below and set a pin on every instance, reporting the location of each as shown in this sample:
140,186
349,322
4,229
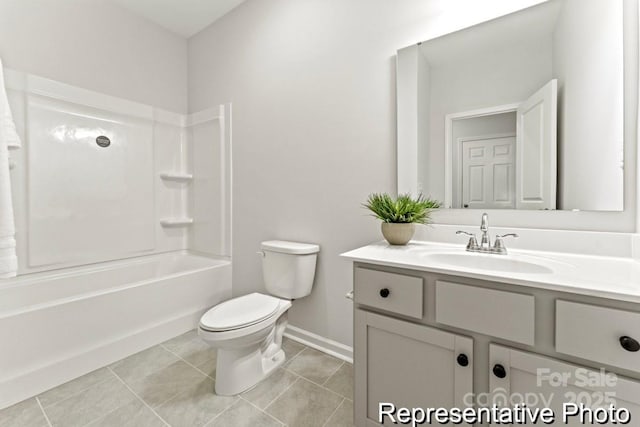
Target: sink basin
501,263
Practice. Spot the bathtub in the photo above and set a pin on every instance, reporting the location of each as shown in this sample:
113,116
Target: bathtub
59,325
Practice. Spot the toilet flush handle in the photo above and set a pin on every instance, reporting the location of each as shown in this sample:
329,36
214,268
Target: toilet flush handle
262,253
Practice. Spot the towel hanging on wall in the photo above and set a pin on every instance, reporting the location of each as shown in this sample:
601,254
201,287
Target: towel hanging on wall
9,139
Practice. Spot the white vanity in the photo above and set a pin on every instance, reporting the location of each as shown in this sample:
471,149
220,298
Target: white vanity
437,326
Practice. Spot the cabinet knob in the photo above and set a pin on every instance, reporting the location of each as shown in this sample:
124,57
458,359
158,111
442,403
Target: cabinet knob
629,344
463,360
384,292
499,371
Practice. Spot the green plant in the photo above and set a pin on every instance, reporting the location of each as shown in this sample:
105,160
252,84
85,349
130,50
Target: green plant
404,209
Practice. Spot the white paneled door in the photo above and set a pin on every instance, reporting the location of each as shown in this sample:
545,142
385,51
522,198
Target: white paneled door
536,153
488,172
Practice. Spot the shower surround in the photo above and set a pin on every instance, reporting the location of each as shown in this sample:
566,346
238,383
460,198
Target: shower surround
122,227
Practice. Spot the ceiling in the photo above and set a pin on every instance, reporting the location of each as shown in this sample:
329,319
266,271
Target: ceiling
183,17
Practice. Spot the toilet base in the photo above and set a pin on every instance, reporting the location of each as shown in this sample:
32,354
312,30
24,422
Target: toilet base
235,374
241,368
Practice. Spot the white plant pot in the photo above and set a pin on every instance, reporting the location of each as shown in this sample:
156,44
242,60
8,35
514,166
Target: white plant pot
398,233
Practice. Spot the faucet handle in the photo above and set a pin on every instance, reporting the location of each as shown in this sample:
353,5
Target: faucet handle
465,233
514,235
473,243
498,245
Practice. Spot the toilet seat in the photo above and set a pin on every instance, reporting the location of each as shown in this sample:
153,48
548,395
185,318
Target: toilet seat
241,312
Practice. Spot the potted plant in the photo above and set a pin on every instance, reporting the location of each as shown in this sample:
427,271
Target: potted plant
400,215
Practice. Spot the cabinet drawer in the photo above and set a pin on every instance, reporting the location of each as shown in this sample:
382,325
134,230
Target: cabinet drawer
397,293
594,333
496,313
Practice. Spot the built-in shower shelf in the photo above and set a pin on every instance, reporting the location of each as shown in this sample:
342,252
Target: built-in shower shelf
176,176
176,222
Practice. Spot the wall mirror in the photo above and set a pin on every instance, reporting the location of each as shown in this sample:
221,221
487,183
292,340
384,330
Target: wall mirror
522,112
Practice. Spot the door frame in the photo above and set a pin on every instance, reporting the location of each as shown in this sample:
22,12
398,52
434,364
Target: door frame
449,119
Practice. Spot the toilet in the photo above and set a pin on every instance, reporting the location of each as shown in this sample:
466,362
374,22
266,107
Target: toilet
247,331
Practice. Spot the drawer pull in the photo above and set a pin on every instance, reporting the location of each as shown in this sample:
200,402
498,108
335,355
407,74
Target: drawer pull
384,292
499,371
629,344
463,360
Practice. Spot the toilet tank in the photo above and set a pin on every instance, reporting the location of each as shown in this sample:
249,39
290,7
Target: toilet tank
288,268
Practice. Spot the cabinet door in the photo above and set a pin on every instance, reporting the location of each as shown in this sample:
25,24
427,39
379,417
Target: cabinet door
409,365
545,382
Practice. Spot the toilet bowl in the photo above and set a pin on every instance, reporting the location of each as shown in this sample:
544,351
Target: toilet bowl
247,331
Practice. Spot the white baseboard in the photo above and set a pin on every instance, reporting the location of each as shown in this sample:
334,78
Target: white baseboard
37,381
322,344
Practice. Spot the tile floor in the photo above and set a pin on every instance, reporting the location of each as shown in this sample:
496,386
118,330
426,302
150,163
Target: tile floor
172,385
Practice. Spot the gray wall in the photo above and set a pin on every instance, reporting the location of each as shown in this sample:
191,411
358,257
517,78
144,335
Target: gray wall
313,89
96,45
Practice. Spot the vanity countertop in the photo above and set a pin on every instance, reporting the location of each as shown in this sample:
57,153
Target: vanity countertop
598,276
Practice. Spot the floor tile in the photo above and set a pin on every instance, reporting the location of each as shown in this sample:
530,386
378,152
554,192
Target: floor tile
314,365
180,340
267,390
343,417
144,363
177,380
191,348
23,414
291,348
134,414
342,381
208,368
305,404
160,386
195,407
90,404
74,387
243,414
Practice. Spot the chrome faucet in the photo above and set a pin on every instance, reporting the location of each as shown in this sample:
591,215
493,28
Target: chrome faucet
485,242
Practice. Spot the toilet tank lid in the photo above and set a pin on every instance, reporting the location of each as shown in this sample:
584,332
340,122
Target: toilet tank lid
294,248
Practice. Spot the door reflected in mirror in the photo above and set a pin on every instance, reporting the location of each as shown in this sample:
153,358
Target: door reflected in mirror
522,112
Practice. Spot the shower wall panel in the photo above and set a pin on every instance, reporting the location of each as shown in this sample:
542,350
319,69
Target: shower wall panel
90,183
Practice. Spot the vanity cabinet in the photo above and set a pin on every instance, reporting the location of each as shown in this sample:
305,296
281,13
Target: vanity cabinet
408,365
547,382
482,310
434,340
611,334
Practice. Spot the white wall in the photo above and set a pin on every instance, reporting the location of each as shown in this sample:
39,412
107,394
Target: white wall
313,89
588,62
95,45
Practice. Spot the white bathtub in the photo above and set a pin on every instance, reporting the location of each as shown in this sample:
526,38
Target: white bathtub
58,325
